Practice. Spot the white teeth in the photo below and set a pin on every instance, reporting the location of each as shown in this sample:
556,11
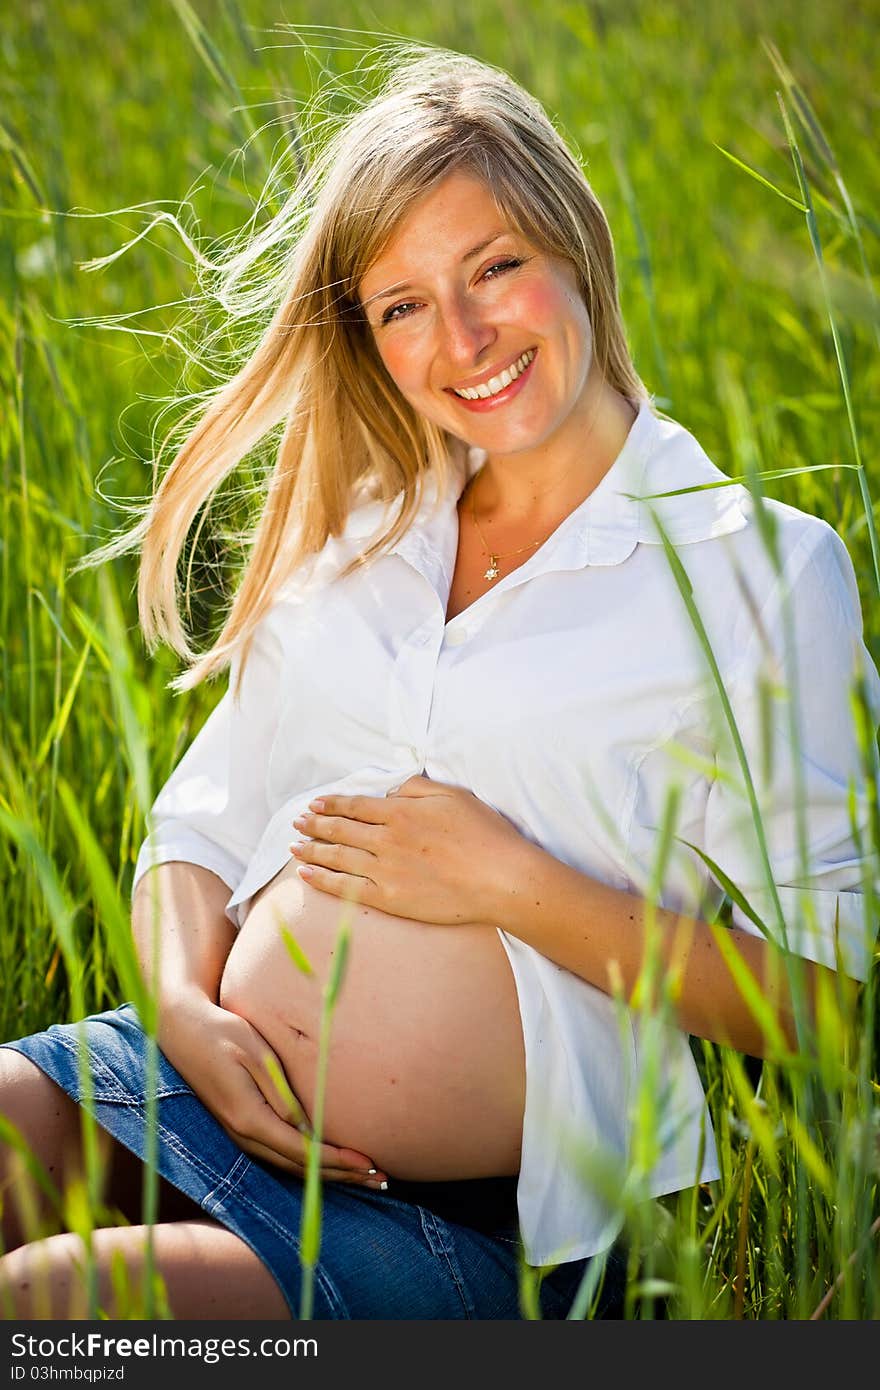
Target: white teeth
497,383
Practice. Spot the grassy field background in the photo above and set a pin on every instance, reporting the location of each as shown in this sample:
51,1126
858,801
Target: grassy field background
110,115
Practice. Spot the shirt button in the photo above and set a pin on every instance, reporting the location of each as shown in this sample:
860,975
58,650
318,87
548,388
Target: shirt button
458,637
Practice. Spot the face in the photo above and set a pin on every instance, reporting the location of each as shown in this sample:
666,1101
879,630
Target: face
460,304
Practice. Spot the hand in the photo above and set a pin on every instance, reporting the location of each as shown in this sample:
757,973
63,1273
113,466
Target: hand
429,851
223,1058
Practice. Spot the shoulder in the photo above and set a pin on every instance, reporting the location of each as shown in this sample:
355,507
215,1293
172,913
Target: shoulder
699,502
811,561
796,592
748,560
368,518
371,518
787,556
694,500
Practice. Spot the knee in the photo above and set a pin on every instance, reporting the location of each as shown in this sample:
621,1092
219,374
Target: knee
18,1075
15,1068
39,1129
34,1103
44,1279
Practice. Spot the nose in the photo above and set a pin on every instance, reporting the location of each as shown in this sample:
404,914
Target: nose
465,332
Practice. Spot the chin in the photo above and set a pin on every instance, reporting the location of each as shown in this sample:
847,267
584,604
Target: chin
502,442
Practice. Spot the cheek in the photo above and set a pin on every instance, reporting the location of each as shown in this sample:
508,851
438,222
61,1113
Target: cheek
402,364
541,305
550,308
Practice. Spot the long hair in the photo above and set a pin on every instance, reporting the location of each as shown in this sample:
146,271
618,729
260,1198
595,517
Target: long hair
315,372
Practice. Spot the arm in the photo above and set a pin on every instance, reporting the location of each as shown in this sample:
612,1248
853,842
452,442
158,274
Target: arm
182,938
178,912
599,933
214,806
202,829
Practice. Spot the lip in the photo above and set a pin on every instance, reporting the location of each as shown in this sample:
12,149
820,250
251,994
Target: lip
493,402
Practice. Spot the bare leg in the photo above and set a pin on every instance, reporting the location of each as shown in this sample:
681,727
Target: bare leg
208,1272
51,1123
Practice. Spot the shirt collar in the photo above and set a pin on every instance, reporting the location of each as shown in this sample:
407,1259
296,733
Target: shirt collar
658,456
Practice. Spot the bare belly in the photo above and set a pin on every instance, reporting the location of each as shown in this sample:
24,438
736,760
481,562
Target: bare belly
426,1069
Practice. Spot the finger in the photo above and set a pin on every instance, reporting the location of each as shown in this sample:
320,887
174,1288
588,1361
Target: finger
342,858
275,1087
340,885
285,1139
263,1065
329,1172
339,830
346,1164
373,810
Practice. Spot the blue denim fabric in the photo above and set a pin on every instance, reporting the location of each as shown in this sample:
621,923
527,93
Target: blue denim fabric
381,1256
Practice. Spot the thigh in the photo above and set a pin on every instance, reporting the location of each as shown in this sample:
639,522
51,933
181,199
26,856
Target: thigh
50,1123
206,1272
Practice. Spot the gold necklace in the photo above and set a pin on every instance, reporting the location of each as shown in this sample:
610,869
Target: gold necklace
493,571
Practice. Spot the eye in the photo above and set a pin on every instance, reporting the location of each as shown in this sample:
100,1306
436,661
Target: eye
510,264
394,312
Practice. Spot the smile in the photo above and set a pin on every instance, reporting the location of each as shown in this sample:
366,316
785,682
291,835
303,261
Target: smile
498,388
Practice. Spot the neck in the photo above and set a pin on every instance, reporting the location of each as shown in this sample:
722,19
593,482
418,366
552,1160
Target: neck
529,491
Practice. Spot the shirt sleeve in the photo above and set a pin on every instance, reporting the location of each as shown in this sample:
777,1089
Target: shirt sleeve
213,809
819,886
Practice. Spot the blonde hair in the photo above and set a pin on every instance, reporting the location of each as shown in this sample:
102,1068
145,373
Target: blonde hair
315,370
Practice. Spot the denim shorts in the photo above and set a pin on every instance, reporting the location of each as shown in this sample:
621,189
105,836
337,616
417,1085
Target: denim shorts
417,1251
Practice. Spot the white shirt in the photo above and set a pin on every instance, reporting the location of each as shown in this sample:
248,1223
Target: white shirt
569,696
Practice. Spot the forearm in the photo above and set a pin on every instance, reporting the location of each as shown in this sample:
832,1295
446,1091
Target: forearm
601,934
178,914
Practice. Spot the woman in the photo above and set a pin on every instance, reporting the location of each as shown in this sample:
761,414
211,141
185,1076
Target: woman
463,671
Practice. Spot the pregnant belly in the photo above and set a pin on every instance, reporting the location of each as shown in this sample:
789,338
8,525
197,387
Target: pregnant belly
426,1069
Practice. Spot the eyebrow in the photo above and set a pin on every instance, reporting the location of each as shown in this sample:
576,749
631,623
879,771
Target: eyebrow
468,256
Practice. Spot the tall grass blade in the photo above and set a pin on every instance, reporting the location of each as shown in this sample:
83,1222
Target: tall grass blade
753,173
842,368
310,1228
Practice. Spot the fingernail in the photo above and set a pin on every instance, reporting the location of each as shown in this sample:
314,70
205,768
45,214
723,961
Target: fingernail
317,804
383,1186
372,1171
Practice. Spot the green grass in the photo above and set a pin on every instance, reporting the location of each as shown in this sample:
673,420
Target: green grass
752,316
